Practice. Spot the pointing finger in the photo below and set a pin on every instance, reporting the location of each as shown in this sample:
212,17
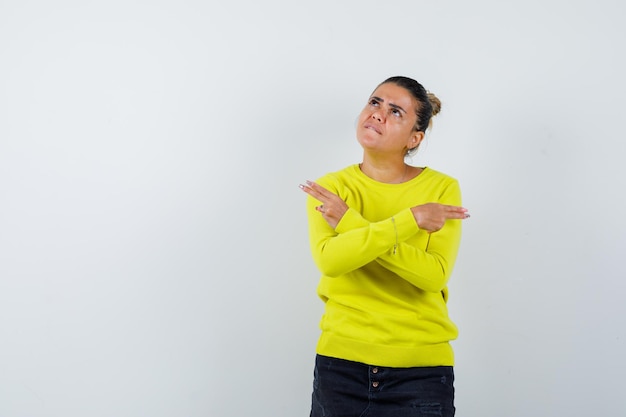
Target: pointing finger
317,191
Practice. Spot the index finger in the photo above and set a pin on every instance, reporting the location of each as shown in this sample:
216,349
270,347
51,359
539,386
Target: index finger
317,191
456,212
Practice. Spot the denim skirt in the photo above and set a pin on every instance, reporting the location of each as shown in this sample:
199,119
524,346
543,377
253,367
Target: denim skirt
344,388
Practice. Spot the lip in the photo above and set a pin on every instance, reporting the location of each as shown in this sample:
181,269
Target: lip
372,127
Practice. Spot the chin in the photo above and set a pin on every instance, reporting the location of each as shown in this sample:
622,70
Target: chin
366,136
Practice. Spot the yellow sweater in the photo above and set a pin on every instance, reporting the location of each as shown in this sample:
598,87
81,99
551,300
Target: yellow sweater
384,308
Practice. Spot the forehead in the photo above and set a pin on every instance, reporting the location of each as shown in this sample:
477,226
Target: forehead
394,94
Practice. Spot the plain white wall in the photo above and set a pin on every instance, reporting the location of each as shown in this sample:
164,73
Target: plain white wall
153,250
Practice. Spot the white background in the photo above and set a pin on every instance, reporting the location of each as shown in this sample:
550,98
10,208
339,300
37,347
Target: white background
154,259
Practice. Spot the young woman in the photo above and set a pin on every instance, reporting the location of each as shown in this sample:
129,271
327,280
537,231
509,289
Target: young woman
385,236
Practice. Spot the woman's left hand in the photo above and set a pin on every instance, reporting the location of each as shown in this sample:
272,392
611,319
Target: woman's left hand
332,208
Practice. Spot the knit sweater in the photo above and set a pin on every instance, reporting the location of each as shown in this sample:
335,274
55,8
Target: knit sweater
384,281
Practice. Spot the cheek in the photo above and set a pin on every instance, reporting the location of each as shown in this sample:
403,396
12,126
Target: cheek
365,114
360,119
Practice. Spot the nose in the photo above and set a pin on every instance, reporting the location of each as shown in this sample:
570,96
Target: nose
377,115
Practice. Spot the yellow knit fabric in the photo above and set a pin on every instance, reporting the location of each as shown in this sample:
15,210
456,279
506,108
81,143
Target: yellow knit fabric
384,308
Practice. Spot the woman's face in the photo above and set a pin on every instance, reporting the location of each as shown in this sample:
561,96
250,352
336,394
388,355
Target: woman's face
386,124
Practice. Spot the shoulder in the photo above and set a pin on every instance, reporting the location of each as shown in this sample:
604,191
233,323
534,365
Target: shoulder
338,179
439,184
443,187
438,175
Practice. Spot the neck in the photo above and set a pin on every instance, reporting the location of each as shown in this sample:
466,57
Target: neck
390,172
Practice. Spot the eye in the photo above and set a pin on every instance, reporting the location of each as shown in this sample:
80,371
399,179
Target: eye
396,112
373,102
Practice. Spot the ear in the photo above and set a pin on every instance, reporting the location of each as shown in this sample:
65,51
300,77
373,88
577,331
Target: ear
415,139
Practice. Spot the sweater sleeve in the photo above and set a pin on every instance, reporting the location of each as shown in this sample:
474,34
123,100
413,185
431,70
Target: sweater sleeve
429,269
355,241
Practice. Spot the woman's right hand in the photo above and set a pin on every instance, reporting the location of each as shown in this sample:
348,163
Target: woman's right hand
332,208
432,216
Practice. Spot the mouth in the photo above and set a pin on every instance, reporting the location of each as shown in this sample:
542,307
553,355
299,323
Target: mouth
372,127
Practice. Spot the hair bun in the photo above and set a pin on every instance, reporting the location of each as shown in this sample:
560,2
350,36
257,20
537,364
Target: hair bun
434,102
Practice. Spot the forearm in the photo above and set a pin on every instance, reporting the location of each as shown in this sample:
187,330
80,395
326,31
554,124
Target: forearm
427,268
427,260
356,242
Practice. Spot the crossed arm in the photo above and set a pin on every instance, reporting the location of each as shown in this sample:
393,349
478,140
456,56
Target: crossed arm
340,230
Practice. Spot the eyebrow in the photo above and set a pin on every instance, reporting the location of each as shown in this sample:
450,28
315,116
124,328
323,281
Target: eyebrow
395,106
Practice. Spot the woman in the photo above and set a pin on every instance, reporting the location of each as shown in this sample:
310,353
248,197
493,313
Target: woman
385,236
